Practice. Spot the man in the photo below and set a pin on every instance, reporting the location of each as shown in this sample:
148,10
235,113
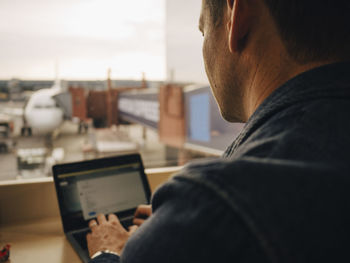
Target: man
280,194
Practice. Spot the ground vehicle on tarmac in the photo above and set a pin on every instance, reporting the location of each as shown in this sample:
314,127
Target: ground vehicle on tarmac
6,129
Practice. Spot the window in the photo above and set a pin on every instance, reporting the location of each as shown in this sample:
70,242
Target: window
83,112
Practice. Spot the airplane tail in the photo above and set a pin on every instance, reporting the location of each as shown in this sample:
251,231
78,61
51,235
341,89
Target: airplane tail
57,83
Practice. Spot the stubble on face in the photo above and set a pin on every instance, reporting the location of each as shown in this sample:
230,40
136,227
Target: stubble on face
221,66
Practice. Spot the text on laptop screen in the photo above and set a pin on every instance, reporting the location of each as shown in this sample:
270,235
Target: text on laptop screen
102,191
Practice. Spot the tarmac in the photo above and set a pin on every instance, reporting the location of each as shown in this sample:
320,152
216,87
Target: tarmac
72,146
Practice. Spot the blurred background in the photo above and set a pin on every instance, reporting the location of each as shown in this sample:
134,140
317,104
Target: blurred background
83,79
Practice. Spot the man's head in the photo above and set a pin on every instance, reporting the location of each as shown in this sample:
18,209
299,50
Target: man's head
239,35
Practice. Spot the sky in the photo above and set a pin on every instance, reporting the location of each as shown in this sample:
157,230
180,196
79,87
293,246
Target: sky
83,37
184,60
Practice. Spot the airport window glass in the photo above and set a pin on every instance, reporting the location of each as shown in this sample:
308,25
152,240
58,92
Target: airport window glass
74,90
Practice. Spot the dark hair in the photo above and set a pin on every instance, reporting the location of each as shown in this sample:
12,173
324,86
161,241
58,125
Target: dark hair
312,30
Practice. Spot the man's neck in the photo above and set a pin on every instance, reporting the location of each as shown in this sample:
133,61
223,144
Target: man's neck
267,77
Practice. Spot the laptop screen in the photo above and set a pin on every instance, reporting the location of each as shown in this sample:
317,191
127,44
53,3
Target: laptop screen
113,185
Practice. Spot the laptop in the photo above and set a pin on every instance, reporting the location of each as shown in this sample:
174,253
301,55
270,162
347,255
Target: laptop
101,186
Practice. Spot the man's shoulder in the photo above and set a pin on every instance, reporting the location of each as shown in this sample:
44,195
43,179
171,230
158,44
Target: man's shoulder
261,185
284,203
250,180
222,170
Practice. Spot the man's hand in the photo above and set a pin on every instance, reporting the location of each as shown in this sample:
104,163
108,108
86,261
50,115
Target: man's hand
107,235
141,214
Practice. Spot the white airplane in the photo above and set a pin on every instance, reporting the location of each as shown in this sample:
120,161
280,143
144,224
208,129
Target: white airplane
42,113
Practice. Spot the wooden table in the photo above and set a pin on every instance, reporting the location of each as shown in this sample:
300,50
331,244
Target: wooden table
38,241
30,221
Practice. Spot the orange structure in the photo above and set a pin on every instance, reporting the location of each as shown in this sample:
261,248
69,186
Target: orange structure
172,124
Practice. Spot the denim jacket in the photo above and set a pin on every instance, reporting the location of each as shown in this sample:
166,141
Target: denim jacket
279,194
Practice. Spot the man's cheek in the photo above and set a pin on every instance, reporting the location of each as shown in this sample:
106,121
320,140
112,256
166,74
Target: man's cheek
207,58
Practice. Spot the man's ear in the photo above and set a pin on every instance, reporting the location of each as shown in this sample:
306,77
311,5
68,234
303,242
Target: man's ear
238,23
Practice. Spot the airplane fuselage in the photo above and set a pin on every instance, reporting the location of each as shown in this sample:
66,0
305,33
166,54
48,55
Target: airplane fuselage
41,113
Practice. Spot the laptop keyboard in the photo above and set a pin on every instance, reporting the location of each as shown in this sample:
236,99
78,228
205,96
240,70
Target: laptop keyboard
80,237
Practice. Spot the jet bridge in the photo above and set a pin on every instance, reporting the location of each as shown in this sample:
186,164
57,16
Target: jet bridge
185,117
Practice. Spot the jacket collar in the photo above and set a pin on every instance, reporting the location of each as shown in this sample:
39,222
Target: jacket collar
329,81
